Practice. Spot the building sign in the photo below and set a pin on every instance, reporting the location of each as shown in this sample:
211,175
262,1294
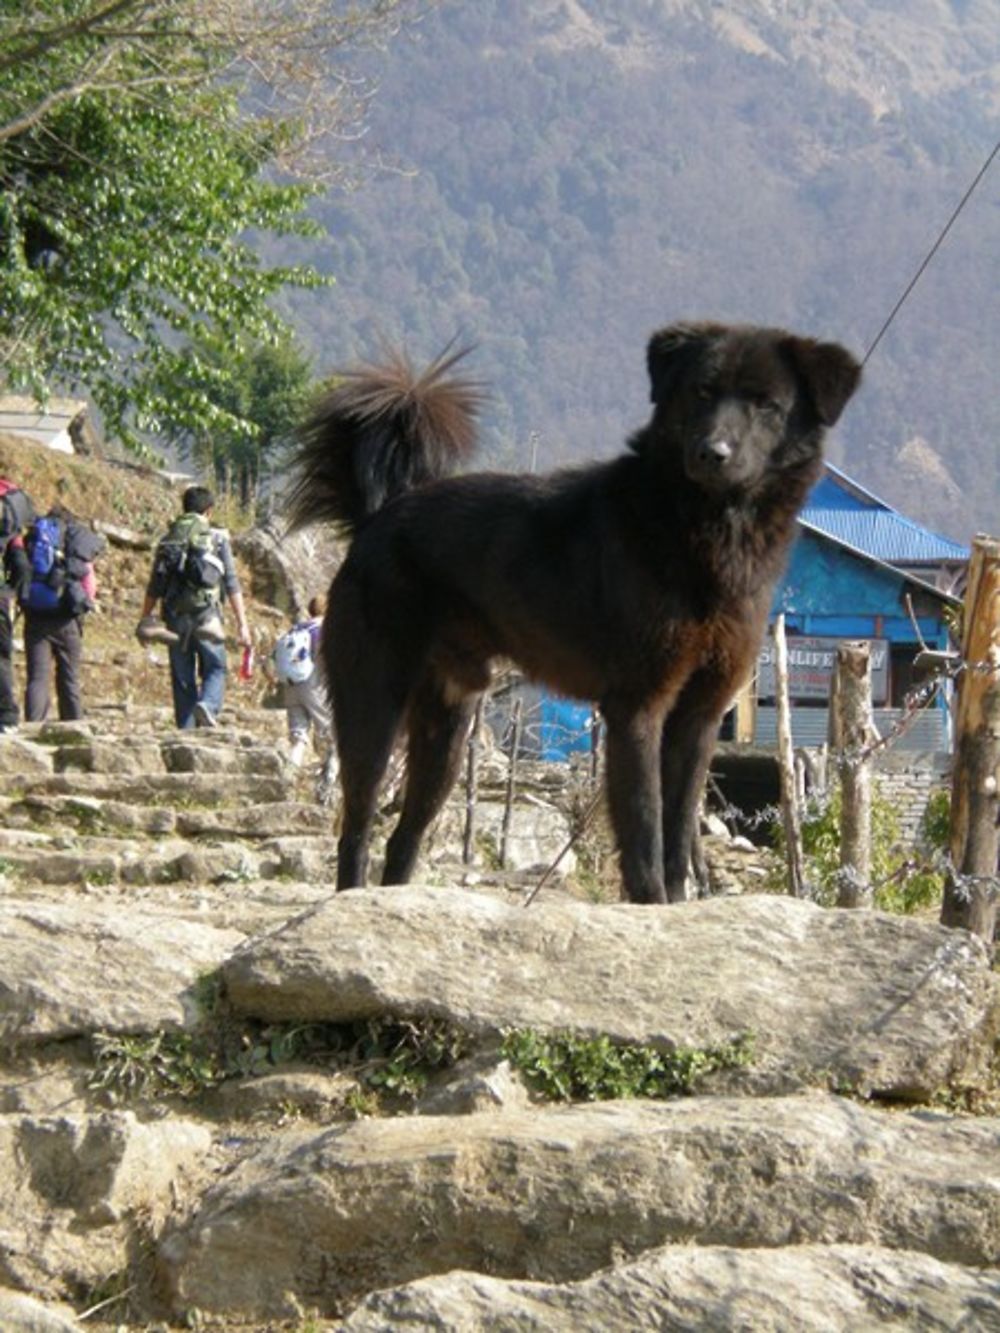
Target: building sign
811,664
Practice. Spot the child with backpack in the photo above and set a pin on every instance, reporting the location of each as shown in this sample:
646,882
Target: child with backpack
296,663
192,572
59,591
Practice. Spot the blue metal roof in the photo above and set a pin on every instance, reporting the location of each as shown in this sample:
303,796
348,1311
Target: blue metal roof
842,509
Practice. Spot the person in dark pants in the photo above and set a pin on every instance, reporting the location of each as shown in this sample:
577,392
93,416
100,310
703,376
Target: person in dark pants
192,609
59,636
9,715
53,616
12,580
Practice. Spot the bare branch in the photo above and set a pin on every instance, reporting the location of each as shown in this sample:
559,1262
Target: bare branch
287,53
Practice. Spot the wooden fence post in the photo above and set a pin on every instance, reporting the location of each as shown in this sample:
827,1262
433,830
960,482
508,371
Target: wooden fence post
472,784
596,730
970,895
852,697
786,765
508,808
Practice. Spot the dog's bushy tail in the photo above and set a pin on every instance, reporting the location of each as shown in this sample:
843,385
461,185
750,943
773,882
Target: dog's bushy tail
382,430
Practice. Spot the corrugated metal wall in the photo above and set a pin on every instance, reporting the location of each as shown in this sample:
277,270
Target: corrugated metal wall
928,730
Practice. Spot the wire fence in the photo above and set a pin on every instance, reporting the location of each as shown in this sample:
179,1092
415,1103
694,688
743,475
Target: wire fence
529,727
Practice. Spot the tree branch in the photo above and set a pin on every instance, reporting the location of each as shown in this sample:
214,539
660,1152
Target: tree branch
40,44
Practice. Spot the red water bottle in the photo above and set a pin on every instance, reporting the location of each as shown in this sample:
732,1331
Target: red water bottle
246,664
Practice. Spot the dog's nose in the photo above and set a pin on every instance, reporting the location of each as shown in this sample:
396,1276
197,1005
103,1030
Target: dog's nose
716,451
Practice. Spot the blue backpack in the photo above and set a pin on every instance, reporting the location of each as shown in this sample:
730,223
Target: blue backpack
60,561
47,559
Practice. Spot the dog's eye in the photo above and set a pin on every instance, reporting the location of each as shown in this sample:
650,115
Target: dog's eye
766,403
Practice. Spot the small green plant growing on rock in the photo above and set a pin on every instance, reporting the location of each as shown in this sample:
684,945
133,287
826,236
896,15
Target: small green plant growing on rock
100,876
567,1068
397,1057
391,1058
153,1064
362,1103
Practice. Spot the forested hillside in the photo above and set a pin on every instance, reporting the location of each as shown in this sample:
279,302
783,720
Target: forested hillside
567,175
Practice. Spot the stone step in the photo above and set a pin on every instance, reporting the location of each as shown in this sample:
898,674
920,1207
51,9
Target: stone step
217,751
209,752
556,1194
68,1185
181,790
248,907
82,969
125,960
117,719
39,858
811,989
809,1288
91,815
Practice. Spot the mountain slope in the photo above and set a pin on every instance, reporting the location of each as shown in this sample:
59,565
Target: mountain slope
569,181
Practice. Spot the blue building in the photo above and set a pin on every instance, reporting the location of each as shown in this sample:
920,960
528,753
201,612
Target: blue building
861,570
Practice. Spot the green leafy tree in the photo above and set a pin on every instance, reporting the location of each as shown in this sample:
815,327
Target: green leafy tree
135,143
264,391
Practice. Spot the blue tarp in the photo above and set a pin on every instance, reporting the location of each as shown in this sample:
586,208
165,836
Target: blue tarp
565,727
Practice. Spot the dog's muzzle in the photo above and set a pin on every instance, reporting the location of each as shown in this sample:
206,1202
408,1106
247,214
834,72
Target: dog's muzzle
710,463
714,453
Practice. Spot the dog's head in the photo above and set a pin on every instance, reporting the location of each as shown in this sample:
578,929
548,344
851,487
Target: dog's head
742,403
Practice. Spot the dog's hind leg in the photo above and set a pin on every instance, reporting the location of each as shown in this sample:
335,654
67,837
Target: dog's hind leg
438,729
360,777
368,721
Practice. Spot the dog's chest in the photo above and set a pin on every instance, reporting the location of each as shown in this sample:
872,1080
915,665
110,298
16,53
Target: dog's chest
719,646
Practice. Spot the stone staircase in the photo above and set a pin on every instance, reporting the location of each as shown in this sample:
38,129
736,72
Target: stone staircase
124,806
155,885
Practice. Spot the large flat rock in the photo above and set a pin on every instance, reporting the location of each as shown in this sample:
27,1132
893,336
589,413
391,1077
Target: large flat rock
875,1002
808,1288
558,1194
71,968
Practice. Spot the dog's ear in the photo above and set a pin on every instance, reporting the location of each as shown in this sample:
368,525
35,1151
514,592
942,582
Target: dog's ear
672,351
829,372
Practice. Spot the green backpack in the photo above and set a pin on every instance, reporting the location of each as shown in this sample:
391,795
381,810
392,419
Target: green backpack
187,571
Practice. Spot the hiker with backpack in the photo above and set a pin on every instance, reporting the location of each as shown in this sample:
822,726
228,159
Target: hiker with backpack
59,591
192,572
16,513
295,663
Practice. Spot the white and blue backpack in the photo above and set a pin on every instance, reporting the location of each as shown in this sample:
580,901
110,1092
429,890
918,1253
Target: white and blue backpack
293,659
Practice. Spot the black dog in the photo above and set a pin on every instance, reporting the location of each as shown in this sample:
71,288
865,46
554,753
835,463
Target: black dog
643,583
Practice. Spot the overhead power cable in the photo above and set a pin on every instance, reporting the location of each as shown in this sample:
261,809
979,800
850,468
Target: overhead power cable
932,251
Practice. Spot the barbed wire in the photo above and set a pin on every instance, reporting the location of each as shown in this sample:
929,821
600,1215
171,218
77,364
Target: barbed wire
538,733
918,698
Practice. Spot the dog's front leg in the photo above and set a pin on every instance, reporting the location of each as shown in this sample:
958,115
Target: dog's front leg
689,737
633,778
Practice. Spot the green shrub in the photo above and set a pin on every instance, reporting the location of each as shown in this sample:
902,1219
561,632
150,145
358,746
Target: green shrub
904,879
